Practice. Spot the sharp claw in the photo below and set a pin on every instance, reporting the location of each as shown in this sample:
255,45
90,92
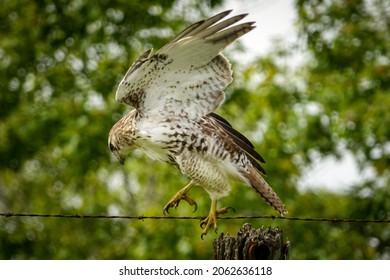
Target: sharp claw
196,207
166,209
181,195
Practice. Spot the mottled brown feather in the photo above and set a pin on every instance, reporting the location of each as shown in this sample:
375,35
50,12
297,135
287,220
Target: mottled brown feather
241,141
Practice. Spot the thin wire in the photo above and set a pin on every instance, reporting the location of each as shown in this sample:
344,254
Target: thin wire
269,217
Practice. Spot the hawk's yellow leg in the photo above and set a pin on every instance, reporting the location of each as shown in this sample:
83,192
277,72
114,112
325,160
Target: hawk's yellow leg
211,219
181,195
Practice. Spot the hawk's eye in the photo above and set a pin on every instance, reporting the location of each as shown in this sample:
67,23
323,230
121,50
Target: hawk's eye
112,148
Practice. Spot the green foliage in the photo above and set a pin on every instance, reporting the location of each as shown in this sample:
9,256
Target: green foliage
60,62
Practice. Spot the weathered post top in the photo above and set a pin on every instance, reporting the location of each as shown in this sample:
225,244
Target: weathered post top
251,244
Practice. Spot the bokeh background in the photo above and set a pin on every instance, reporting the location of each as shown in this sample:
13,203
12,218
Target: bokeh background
60,63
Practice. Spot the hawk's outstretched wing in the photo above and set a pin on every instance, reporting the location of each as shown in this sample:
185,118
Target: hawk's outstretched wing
185,78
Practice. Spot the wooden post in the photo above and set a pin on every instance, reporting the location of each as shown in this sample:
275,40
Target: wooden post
251,244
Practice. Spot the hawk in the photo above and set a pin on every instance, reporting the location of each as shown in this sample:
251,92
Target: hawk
174,93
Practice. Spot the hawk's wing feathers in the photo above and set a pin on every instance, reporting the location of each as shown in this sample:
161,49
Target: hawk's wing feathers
146,55
200,25
241,141
201,44
185,78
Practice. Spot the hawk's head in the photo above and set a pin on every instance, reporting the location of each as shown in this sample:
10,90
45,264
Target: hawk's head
120,138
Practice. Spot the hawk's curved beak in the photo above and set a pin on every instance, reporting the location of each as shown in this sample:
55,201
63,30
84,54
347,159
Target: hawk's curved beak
120,158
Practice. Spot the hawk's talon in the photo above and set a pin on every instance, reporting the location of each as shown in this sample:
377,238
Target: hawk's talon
211,219
180,195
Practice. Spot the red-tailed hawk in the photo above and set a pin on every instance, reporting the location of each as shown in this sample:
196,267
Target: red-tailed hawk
174,93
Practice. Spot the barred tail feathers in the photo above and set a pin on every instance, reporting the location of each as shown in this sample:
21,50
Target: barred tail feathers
262,188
